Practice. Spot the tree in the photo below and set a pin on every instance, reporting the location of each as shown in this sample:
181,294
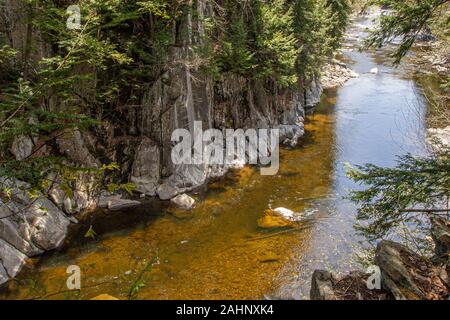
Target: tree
407,20
393,196
418,187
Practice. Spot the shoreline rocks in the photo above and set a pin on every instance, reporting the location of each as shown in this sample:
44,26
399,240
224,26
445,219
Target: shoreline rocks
336,74
404,274
407,275
327,286
28,227
439,138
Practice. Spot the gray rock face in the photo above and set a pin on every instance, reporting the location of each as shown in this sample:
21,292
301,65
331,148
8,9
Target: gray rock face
184,95
313,94
22,147
4,277
84,195
145,173
28,226
11,261
73,145
290,134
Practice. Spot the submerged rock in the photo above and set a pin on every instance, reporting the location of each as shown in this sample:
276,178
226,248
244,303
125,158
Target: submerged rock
273,219
183,201
286,213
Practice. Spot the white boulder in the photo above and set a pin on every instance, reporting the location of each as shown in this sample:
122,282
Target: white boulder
183,201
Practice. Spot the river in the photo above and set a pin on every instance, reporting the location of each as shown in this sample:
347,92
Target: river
217,251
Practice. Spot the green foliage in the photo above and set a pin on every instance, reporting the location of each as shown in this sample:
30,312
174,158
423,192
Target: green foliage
75,79
279,42
407,20
91,234
235,53
390,192
86,74
340,16
279,39
313,25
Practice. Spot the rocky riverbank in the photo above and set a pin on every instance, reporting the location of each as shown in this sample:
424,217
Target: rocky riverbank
335,74
405,275
29,227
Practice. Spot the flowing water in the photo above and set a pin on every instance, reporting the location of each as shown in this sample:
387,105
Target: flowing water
217,251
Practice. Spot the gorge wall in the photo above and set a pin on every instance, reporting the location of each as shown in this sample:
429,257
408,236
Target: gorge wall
138,136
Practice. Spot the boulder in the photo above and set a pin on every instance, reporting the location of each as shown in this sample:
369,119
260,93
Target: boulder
185,178
327,286
440,231
272,220
11,261
183,201
145,174
83,195
286,213
322,286
72,144
32,226
105,199
122,204
407,275
4,277
22,147
290,134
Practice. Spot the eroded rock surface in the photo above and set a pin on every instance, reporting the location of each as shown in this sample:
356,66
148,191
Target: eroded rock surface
28,227
407,275
145,174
